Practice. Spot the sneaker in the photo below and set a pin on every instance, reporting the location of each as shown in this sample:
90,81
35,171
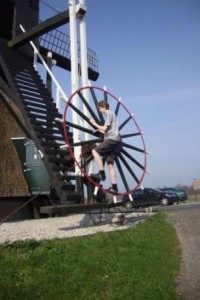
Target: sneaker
102,177
98,176
113,191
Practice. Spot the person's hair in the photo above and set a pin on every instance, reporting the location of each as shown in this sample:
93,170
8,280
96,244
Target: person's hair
104,104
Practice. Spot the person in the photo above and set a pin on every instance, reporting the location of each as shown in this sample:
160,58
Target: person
110,146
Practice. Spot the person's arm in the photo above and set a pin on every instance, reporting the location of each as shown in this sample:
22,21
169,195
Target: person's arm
100,128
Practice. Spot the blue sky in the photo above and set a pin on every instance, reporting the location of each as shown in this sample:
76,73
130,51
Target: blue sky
149,55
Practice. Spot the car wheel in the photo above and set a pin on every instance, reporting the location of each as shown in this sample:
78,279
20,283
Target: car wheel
164,201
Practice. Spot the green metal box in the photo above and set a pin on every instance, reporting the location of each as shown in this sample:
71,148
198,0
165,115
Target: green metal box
32,165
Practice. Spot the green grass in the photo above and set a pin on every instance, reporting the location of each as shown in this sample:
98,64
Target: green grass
137,263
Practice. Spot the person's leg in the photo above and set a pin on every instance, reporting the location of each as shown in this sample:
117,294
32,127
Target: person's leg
98,159
99,162
106,149
111,170
112,173
116,148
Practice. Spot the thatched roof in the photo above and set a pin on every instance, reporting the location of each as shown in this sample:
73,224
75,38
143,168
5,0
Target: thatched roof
12,180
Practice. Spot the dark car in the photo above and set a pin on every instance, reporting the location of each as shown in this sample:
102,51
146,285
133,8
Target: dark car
181,194
148,197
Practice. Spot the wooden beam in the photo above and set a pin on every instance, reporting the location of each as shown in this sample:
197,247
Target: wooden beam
40,29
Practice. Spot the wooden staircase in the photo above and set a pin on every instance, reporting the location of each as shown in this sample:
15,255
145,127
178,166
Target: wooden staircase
39,112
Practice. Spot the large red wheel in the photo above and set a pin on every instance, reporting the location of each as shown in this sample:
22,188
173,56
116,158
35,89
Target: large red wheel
130,164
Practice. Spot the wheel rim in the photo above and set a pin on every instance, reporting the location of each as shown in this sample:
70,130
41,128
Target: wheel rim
130,163
164,201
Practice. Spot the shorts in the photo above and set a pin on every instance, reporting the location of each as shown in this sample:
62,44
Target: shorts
109,150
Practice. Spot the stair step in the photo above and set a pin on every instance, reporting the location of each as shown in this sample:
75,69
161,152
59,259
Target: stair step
53,144
70,208
61,160
34,93
38,98
42,110
37,104
46,130
45,123
60,168
57,151
45,117
50,137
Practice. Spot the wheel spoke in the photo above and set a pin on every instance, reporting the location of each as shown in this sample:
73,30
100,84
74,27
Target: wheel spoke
125,122
81,128
132,159
105,95
85,143
96,104
88,107
117,108
122,174
80,114
124,136
133,147
129,168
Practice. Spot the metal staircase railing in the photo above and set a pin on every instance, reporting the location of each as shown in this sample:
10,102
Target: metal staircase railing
59,42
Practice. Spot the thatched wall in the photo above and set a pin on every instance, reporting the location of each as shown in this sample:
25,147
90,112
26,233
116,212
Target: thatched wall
12,180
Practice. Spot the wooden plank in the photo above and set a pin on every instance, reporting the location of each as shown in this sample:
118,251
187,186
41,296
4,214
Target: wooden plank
40,29
75,208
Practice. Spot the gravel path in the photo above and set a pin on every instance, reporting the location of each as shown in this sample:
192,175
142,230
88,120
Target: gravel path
187,225
65,227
